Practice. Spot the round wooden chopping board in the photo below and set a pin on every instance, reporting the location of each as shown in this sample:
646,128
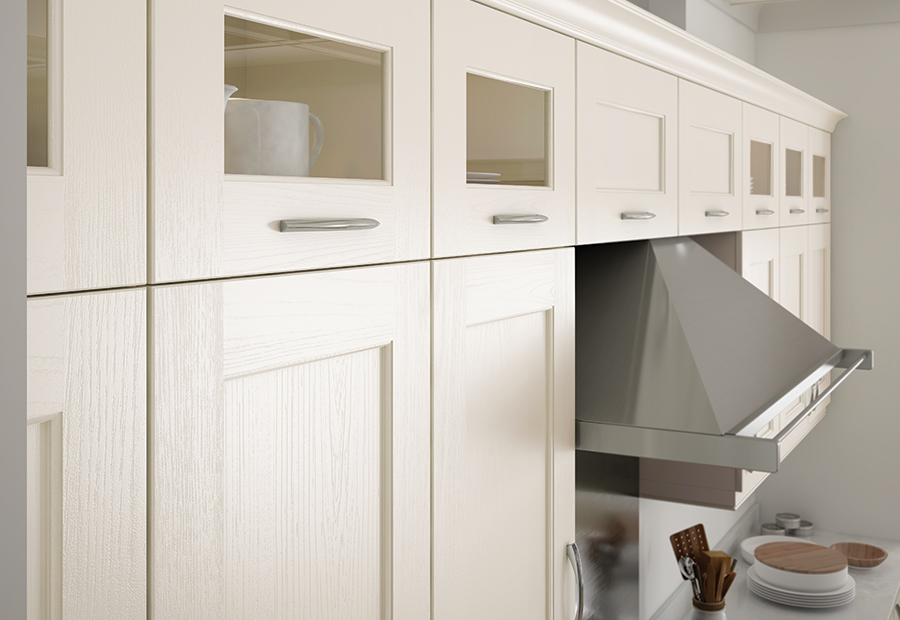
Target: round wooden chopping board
801,558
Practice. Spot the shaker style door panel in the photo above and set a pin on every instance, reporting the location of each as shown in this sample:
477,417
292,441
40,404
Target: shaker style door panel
87,162
301,142
709,156
627,149
762,171
503,440
819,176
291,447
795,185
87,441
504,132
760,263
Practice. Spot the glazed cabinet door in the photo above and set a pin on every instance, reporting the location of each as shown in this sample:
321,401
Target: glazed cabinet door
761,168
290,460
820,176
87,163
87,441
504,132
709,156
503,437
795,184
320,158
627,149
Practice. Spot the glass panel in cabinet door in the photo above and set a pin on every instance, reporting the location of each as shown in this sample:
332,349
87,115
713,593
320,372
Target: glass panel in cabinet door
818,176
38,96
793,173
760,168
318,116
795,185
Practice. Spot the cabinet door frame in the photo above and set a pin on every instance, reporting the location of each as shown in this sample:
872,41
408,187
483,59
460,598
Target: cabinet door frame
819,145
761,126
795,136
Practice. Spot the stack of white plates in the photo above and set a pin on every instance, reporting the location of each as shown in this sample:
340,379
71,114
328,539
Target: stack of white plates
797,598
483,178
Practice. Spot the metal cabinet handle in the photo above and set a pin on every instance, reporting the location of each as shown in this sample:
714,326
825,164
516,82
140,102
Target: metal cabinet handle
821,210
765,212
575,561
797,211
638,215
361,223
536,218
717,213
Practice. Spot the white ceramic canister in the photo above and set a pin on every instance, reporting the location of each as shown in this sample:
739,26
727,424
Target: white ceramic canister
270,137
701,614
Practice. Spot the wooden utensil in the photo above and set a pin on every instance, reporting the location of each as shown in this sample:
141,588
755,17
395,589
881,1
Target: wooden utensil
860,555
720,586
729,579
690,542
801,558
711,586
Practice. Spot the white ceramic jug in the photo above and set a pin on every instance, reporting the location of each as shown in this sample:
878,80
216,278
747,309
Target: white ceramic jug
270,137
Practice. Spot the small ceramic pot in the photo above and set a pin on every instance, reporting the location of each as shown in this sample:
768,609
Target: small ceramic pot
708,611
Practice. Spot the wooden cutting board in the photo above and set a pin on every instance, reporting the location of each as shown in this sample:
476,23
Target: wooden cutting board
801,558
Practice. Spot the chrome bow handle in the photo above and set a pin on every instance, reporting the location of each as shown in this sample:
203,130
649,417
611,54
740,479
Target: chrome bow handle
717,213
797,211
536,218
575,561
765,212
638,215
361,223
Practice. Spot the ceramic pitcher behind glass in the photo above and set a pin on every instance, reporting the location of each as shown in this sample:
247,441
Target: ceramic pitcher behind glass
270,138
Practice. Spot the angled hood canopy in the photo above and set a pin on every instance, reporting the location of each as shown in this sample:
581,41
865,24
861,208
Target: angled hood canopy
680,358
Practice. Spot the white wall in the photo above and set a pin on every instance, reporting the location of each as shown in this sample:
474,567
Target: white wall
732,29
846,475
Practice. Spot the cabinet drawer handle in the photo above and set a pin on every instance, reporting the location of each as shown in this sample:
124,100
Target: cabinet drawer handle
821,210
717,213
537,218
575,561
638,215
765,212
361,223
797,211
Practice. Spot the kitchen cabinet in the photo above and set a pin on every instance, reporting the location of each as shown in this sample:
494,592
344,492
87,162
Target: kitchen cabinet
87,145
709,160
86,444
504,110
820,176
762,171
363,73
820,299
504,435
795,166
290,453
627,149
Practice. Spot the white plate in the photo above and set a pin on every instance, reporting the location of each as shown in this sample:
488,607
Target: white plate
793,602
757,587
835,598
749,545
481,175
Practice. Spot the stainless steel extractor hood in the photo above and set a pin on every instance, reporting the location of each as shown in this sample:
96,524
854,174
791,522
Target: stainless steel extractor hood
679,358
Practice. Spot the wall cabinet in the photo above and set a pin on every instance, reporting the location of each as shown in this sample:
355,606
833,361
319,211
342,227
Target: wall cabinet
504,133
290,457
87,469
627,149
762,170
820,176
795,182
87,146
710,160
504,435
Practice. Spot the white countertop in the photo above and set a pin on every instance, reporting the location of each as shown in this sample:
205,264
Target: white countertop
876,589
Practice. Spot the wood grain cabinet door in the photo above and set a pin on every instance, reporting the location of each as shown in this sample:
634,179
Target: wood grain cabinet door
290,434
709,161
627,149
242,187
503,440
87,145
87,454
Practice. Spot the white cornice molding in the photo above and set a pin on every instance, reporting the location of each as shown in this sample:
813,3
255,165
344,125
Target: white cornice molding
623,28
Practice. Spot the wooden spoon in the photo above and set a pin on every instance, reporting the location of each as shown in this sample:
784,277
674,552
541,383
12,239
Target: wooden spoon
723,570
729,579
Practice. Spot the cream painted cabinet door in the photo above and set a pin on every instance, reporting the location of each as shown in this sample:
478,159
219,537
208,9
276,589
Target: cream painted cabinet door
709,156
627,149
87,146
761,168
242,191
504,436
87,441
760,260
795,165
820,297
794,287
290,447
819,176
504,132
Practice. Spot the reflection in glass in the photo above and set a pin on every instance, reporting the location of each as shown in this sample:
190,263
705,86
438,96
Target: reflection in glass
296,93
760,168
506,133
37,95
793,172
818,176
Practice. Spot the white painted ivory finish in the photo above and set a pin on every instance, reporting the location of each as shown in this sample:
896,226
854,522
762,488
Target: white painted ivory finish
87,210
498,46
291,447
820,298
794,137
503,439
709,157
206,224
627,148
87,478
762,127
819,146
